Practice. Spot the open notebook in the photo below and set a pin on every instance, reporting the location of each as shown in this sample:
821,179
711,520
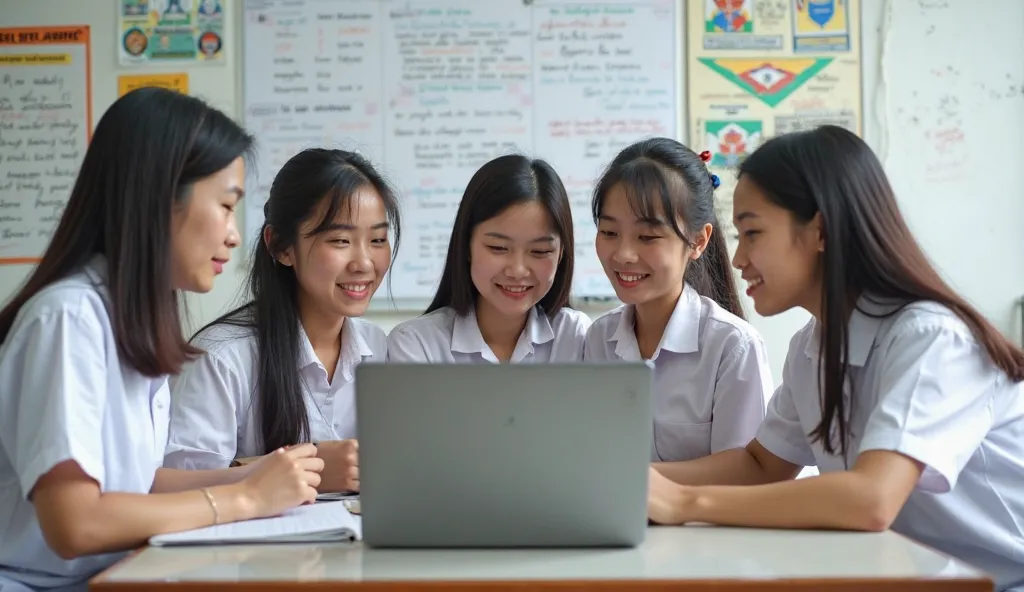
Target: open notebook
305,524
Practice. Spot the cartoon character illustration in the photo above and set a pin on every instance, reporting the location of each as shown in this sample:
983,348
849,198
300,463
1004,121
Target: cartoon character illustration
209,44
730,16
135,42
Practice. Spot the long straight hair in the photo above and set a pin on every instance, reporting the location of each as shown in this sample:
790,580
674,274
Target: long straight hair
148,150
298,192
498,185
869,250
660,174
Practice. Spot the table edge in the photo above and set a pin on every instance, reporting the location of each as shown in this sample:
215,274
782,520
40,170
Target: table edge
978,584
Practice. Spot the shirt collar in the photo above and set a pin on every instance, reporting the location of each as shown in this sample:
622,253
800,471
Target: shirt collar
353,346
682,333
467,339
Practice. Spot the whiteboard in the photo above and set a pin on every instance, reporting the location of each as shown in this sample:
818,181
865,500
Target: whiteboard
954,117
429,90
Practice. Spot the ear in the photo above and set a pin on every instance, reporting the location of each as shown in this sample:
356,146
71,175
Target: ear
701,241
285,258
818,228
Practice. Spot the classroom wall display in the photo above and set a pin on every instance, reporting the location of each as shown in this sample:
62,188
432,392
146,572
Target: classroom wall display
45,125
429,90
758,69
177,81
170,31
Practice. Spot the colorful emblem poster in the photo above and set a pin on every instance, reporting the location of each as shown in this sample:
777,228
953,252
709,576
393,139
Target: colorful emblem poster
171,31
759,69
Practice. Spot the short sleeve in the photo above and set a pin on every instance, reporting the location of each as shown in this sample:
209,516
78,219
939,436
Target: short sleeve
781,432
54,408
935,401
405,346
742,388
206,408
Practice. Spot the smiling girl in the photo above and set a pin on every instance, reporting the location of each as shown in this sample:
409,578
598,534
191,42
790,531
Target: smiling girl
280,370
660,244
505,288
904,396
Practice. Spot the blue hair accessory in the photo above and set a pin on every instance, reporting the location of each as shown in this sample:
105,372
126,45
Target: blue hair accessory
715,181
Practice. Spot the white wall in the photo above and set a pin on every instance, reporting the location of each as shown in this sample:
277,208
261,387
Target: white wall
221,86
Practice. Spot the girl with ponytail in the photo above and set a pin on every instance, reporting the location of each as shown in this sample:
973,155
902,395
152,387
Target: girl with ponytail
660,243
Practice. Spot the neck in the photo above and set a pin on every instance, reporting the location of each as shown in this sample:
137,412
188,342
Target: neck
650,318
500,331
323,330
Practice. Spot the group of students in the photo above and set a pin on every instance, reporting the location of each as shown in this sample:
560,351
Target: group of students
115,427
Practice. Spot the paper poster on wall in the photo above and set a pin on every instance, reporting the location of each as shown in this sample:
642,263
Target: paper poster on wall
759,69
177,81
45,125
170,31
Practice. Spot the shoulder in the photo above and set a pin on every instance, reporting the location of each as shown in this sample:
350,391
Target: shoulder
605,325
431,324
720,325
226,339
926,318
570,319
374,337
76,298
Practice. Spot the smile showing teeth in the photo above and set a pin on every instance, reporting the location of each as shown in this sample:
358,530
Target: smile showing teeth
628,277
515,289
355,287
755,282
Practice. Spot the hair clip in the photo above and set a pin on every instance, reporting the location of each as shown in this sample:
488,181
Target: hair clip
705,156
715,181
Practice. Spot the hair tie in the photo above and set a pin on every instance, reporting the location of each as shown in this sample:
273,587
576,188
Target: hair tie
705,156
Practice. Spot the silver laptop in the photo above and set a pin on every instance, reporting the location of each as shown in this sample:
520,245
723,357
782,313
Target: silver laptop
509,455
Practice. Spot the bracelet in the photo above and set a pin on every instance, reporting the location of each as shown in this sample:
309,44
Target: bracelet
213,505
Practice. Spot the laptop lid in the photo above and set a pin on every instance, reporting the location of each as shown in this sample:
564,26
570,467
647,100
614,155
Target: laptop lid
503,455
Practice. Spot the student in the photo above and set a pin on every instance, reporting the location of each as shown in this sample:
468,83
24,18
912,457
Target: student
88,341
660,243
280,369
901,393
504,291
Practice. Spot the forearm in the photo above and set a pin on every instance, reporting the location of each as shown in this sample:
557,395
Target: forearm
123,521
844,500
175,480
729,467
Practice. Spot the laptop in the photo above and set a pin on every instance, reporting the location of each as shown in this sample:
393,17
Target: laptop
503,455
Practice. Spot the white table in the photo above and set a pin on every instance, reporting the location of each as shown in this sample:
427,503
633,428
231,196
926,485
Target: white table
690,558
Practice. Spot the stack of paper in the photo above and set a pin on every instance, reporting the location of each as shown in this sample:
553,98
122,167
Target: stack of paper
305,524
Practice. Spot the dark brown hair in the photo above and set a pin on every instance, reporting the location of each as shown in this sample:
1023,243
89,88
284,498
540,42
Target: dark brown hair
869,250
148,149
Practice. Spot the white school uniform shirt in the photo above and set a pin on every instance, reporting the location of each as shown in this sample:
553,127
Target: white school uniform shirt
924,387
711,375
65,394
214,409
444,337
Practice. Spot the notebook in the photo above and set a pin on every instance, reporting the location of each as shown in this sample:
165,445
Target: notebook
314,523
